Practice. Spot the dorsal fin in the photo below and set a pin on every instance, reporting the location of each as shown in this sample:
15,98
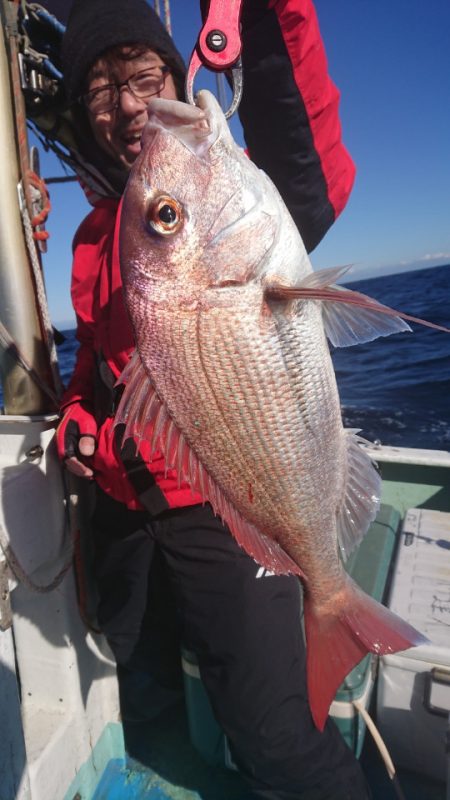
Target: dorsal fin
145,417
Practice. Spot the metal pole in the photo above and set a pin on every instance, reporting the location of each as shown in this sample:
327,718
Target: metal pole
18,311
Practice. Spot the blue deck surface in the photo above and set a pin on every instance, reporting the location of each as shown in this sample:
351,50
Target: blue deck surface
120,782
163,765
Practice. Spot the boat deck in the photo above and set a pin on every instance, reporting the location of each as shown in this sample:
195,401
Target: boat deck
163,765
162,762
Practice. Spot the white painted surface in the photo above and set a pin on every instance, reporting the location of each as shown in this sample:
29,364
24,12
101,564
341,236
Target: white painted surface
13,767
409,455
67,675
32,510
414,734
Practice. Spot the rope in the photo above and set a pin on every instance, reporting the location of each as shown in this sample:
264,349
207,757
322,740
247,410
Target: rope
167,17
381,747
25,189
18,99
81,584
9,344
73,560
19,572
41,296
22,576
85,173
70,525
41,194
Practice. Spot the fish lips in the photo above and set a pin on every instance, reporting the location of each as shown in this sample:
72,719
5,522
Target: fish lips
196,127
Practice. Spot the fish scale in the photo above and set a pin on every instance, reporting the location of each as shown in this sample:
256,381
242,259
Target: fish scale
199,386
268,427
265,426
230,326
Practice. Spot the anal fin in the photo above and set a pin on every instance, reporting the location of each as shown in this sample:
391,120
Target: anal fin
361,500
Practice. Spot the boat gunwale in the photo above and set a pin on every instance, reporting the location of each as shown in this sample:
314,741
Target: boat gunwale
408,455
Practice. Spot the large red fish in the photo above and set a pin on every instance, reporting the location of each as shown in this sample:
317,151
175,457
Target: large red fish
232,378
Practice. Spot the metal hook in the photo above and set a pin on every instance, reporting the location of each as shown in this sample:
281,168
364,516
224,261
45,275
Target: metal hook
195,65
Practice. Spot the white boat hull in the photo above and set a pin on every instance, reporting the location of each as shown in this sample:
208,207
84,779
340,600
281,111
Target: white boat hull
66,726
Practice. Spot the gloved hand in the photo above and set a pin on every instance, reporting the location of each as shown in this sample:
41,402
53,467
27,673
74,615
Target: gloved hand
76,438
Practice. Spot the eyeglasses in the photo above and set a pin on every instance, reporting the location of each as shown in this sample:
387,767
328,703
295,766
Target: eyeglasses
142,85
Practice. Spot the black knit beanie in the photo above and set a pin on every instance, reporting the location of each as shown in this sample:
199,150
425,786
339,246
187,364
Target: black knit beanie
97,25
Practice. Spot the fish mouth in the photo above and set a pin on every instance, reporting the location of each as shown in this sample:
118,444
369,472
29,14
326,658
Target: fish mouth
197,127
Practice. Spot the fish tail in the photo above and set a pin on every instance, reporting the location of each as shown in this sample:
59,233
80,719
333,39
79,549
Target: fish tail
336,642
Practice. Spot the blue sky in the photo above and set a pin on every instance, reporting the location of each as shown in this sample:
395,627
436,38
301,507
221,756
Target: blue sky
391,62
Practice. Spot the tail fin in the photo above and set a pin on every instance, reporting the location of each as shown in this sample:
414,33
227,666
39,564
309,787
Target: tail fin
336,643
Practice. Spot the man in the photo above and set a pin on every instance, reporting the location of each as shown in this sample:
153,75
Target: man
166,568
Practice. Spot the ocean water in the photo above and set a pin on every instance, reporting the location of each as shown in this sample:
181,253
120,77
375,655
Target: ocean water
395,389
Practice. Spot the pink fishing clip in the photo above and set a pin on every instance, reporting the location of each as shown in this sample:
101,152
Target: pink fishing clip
219,48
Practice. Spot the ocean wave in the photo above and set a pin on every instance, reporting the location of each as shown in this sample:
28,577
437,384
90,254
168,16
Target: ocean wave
401,428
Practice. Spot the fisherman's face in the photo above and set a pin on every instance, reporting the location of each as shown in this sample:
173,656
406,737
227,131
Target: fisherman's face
118,131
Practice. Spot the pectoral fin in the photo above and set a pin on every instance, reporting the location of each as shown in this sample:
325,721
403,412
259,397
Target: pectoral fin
349,317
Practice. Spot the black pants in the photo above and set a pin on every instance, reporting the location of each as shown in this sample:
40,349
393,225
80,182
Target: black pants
182,573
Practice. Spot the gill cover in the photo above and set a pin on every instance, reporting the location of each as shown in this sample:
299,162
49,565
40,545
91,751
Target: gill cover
194,188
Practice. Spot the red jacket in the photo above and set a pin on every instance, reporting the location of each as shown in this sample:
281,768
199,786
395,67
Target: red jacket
290,116
106,342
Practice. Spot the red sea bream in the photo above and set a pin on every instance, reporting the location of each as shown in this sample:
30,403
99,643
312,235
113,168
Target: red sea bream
232,377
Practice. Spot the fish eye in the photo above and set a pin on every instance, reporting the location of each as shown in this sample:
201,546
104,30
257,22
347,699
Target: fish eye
165,215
